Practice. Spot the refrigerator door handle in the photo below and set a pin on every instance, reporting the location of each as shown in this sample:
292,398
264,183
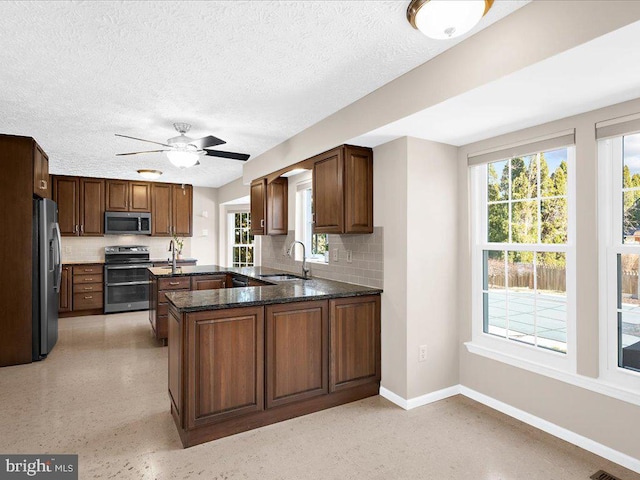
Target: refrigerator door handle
56,226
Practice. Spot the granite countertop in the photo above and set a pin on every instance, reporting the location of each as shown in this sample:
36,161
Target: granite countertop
280,292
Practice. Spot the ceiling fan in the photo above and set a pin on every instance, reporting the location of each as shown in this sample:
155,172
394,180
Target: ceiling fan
184,151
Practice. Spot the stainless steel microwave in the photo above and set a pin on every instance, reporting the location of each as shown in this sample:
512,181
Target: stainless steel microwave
127,223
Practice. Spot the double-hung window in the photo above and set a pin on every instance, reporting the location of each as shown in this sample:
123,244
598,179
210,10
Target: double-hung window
619,218
523,255
241,239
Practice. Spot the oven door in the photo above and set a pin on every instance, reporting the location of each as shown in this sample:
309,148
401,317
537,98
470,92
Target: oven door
126,288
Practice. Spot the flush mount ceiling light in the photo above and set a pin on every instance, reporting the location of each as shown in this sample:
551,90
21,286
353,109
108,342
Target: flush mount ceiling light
444,19
150,174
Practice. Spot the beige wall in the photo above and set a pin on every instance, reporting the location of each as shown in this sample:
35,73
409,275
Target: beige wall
205,225
431,251
604,419
466,66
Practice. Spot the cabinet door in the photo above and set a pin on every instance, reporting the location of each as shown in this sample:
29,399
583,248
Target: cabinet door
66,290
161,209
182,210
296,351
91,207
355,341
139,197
66,194
41,185
277,206
358,190
208,282
258,206
117,196
328,192
224,345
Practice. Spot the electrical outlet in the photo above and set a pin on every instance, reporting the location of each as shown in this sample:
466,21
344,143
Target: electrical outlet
422,355
335,255
349,256
205,232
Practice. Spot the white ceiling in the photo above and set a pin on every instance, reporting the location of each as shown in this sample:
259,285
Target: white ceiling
252,73
599,73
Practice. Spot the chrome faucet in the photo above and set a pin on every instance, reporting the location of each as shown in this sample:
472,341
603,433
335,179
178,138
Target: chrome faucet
172,249
305,270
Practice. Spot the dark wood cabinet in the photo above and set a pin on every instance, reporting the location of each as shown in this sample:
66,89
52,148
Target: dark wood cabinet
209,282
296,352
41,183
258,196
91,207
182,210
66,193
80,205
171,210
128,196
269,207
355,341
225,372
343,190
66,290
84,290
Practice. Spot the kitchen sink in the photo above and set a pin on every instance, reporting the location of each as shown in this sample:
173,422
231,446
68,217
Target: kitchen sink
279,277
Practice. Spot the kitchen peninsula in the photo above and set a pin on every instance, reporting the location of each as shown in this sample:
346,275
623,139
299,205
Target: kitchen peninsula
248,356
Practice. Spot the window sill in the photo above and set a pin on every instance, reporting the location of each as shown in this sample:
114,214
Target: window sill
592,384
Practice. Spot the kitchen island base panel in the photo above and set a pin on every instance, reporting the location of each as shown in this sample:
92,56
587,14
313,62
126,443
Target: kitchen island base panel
247,422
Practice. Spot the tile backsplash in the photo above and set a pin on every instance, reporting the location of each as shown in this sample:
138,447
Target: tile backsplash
91,249
366,267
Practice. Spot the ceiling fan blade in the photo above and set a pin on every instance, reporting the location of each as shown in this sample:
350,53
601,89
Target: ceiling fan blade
205,142
136,153
232,155
142,140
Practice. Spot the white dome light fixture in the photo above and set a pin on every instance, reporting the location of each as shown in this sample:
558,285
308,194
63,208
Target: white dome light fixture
183,159
445,19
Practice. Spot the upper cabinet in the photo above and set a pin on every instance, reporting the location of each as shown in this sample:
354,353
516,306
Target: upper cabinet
171,210
41,184
128,196
269,207
81,205
343,190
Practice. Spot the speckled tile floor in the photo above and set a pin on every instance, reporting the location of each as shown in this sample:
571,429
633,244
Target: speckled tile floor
102,394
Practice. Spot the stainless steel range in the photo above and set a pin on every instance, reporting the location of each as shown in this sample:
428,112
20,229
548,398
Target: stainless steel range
126,279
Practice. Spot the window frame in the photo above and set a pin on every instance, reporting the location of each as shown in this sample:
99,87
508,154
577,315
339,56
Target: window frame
231,238
505,347
304,222
610,226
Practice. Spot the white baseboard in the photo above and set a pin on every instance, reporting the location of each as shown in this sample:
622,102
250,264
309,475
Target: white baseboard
421,400
555,430
537,422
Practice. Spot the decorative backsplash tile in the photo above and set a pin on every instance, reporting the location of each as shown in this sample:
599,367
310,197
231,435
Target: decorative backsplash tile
366,267
91,249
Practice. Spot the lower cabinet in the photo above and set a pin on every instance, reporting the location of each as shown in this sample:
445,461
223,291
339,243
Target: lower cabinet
232,370
65,295
81,290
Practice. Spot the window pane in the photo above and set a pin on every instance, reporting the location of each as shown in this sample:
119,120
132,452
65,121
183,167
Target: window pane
498,181
631,159
243,254
236,255
237,236
250,256
631,219
495,295
551,300
524,222
237,220
553,173
524,177
553,218
498,219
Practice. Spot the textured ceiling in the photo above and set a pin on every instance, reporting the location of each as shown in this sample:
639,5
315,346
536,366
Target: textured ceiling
251,73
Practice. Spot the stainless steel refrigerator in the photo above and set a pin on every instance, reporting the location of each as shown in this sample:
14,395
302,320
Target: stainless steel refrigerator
47,275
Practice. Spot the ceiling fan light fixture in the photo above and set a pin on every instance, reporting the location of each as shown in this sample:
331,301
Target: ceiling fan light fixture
149,174
183,159
445,19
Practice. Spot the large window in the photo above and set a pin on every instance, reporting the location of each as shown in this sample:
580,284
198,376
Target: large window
620,166
524,252
241,239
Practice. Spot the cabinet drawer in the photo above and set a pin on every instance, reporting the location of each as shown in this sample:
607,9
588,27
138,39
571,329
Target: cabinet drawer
88,278
163,309
87,288
87,269
177,283
87,301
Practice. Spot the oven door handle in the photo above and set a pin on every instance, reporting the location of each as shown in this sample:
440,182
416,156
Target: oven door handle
127,267
125,284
